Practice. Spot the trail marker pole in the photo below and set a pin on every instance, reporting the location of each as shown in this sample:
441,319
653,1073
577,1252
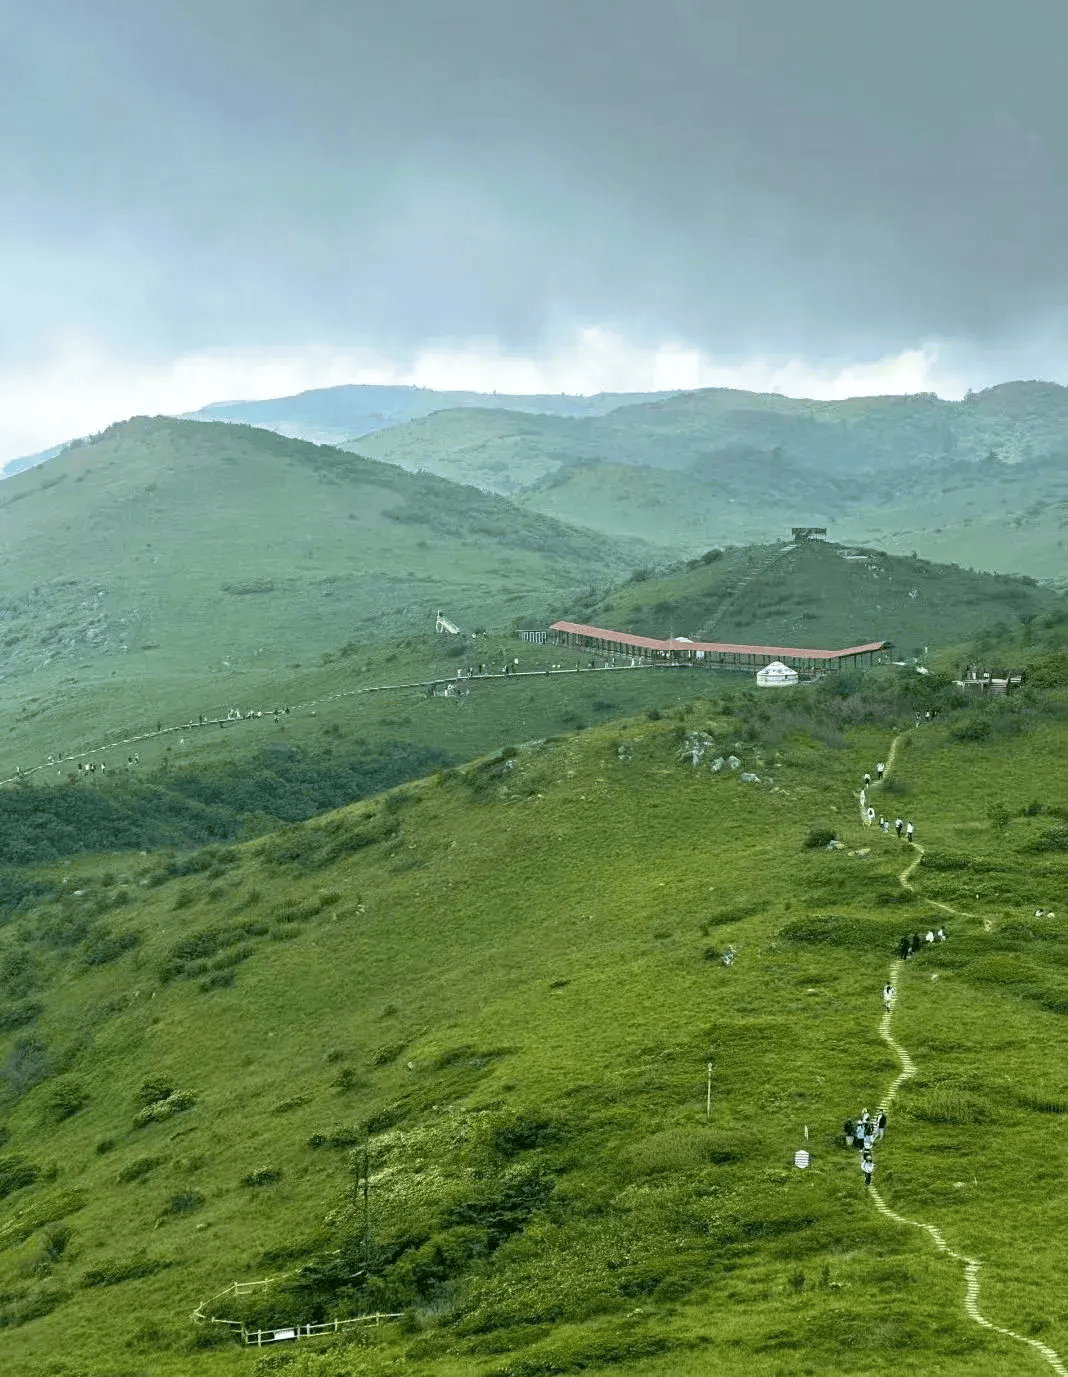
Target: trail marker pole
366,1203
708,1102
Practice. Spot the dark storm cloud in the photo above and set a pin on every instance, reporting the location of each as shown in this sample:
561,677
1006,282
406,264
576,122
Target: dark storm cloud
833,178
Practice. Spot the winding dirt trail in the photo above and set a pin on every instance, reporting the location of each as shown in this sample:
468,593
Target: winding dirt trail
908,1068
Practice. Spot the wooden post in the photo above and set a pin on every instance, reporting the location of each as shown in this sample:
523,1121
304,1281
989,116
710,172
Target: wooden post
366,1204
708,1102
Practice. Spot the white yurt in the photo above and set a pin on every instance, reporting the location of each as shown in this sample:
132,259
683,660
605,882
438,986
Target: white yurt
776,675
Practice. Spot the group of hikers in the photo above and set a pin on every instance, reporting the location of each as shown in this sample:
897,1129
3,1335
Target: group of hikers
861,1134
904,829
908,946
864,1132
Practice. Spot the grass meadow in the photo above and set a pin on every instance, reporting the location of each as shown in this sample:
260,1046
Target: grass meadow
500,988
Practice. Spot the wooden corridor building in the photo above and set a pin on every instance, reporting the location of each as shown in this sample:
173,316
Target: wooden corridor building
712,654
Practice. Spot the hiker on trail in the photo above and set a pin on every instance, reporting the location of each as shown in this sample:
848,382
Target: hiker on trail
880,1124
903,948
847,1129
867,1166
863,798
941,934
917,941
867,778
930,936
884,823
909,830
898,826
879,770
888,995
858,1134
870,817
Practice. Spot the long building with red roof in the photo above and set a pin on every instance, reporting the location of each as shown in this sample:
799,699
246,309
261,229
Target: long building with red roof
709,654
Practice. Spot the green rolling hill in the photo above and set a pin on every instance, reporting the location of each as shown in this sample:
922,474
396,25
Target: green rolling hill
818,593
170,543
498,997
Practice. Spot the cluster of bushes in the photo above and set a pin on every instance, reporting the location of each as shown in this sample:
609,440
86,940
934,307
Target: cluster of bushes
831,929
18,1015
176,1102
313,848
40,824
104,946
138,1169
16,1173
211,948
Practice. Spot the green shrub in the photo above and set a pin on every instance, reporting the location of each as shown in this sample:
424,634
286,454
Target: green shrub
818,837
221,980
154,1089
104,947
347,1137
16,1173
65,1100
262,1176
1056,839
974,729
387,1055
176,1103
116,1270
523,1133
18,1015
184,1202
138,1169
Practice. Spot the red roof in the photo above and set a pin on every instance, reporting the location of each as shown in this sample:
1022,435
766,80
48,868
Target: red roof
774,652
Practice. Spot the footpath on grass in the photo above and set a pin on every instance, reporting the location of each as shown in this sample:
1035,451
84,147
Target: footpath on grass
908,1068
252,715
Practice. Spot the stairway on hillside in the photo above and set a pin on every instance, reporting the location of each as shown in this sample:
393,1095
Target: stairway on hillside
761,566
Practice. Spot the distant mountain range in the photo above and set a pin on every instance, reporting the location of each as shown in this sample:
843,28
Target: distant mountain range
333,415
982,482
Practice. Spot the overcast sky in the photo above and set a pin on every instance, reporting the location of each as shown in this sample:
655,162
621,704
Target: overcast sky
209,199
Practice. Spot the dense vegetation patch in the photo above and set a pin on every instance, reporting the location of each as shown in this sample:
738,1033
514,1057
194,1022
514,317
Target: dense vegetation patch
43,823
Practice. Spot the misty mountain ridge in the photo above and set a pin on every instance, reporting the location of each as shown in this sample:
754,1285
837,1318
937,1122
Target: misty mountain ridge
332,415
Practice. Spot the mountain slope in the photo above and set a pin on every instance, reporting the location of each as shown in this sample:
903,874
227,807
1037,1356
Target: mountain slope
821,594
202,542
499,997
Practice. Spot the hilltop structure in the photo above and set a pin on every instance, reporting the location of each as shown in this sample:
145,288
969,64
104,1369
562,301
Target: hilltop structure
714,654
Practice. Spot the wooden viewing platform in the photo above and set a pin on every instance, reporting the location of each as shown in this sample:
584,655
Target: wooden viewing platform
712,654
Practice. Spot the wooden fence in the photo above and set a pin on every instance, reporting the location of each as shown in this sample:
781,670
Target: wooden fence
284,1332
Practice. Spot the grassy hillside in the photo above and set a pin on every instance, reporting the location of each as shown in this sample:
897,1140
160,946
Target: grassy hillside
822,594
167,567
170,533
366,716
340,736
501,989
